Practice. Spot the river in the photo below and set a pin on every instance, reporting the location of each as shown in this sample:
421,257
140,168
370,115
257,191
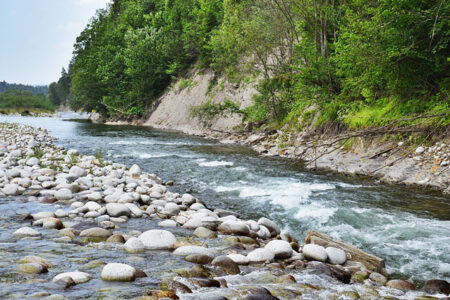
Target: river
406,226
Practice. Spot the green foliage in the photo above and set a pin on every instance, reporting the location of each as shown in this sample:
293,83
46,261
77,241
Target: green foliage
38,152
131,51
17,99
59,92
208,111
35,89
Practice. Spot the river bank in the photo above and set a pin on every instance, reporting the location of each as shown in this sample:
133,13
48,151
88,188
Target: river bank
50,174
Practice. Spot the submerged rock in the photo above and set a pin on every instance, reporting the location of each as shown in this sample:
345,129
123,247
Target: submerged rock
226,264
77,277
26,232
400,285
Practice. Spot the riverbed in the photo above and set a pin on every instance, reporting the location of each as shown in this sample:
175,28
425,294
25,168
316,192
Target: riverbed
409,228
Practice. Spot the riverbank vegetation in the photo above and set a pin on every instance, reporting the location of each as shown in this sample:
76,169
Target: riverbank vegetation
19,101
354,64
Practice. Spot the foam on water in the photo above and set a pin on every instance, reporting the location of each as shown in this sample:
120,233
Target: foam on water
123,143
215,163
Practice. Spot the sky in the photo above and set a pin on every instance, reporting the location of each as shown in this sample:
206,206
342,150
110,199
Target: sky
37,37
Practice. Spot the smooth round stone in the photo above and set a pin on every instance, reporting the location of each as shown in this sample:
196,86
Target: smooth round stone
437,286
193,223
35,259
116,238
11,190
96,232
226,264
26,232
63,194
378,278
239,258
400,285
67,232
33,161
43,215
33,268
196,206
167,223
260,255
314,252
201,259
92,206
60,213
157,239
134,245
52,223
203,232
117,210
135,170
336,256
92,214
135,211
77,277
171,208
271,225
189,250
77,171
281,249
118,272
234,227
263,232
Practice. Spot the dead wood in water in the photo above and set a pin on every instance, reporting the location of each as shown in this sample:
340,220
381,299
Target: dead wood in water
371,262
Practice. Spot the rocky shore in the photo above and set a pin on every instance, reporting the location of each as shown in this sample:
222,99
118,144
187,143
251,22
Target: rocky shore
205,253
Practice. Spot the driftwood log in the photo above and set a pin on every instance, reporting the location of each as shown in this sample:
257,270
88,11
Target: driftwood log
371,262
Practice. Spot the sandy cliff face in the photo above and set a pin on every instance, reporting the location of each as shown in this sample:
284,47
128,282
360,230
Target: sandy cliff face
172,110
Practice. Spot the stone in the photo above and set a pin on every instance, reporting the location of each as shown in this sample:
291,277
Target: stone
96,196
157,239
203,232
11,190
378,278
77,171
33,268
201,259
171,208
135,211
43,215
167,223
420,150
260,255
336,256
178,287
234,227
63,194
189,250
239,258
35,259
33,161
314,252
67,232
118,272
96,233
281,249
60,213
52,223
117,210
360,276
437,286
263,232
226,264
400,285
26,232
92,206
135,170
271,225
116,238
205,282
77,276
134,245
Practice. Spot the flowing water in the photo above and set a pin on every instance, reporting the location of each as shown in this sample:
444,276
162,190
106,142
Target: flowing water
407,227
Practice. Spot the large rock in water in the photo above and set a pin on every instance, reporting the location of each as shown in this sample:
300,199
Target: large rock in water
234,227
135,170
271,225
281,249
400,285
226,264
157,239
118,272
134,245
96,234
314,252
190,250
117,210
437,286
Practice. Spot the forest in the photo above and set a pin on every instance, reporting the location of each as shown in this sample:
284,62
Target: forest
39,89
16,100
355,63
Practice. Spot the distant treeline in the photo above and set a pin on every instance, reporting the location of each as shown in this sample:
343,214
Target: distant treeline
59,92
15,100
35,89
